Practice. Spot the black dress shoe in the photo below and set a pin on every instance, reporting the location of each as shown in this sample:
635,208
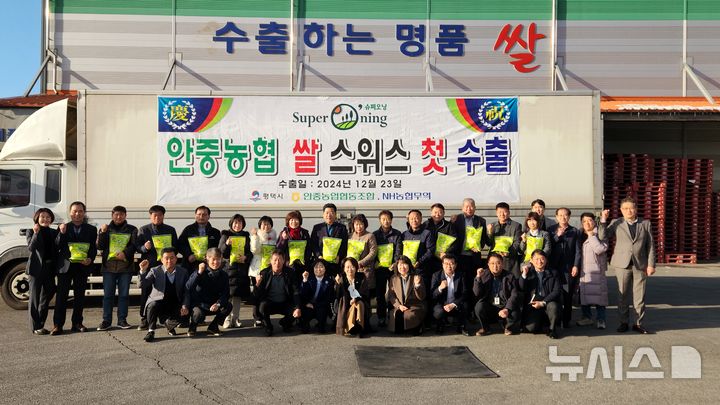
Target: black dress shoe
623,328
79,328
149,337
41,331
465,332
214,332
56,330
640,329
552,334
268,331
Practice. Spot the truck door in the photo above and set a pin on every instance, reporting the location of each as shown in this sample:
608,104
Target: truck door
17,206
17,201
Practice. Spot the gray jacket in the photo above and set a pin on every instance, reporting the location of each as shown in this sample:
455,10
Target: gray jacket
155,277
639,251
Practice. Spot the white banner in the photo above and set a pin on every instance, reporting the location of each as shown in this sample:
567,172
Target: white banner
284,150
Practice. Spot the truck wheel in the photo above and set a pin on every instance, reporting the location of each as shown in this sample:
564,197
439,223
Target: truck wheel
16,287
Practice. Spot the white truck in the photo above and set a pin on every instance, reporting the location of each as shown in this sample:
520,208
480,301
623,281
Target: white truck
103,150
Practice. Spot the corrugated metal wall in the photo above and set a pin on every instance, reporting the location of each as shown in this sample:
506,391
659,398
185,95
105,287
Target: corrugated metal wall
622,48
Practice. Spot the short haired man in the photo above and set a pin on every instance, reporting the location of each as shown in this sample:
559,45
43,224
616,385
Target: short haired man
499,299
504,237
209,289
538,206
169,299
541,290
448,295
276,292
389,242
76,242
117,241
472,235
565,259
633,260
151,240
329,240
197,238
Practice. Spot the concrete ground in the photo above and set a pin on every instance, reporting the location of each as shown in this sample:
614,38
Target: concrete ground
244,366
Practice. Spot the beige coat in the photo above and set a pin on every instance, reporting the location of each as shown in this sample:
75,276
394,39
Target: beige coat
414,300
368,255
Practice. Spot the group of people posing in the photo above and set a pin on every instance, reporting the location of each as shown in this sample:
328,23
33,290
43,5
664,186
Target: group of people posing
431,275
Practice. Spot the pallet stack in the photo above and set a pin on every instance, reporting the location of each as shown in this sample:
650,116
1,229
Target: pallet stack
650,200
614,188
695,215
715,224
669,171
675,195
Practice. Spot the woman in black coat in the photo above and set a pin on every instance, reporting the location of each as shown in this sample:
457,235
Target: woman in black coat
235,247
41,268
351,288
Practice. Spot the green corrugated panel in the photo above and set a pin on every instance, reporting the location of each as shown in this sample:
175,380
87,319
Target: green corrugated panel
704,9
623,10
363,9
234,8
491,9
574,10
142,7
225,8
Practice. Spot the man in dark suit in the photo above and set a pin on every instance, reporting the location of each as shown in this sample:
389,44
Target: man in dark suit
197,238
329,228
448,295
169,299
498,296
389,240
118,265
538,207
317,293
156,232
505,238
633,260
469,246
209,289
541,291
77,251
276,292
565,259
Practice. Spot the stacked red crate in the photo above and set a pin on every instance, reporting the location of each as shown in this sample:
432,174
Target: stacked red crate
683,218
650,200
614,189
669,171
696,207
715,224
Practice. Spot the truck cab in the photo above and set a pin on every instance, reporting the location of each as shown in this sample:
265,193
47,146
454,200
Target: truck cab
37,169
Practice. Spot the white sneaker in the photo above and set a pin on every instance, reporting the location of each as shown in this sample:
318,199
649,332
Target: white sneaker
228,323
601,324
584,322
